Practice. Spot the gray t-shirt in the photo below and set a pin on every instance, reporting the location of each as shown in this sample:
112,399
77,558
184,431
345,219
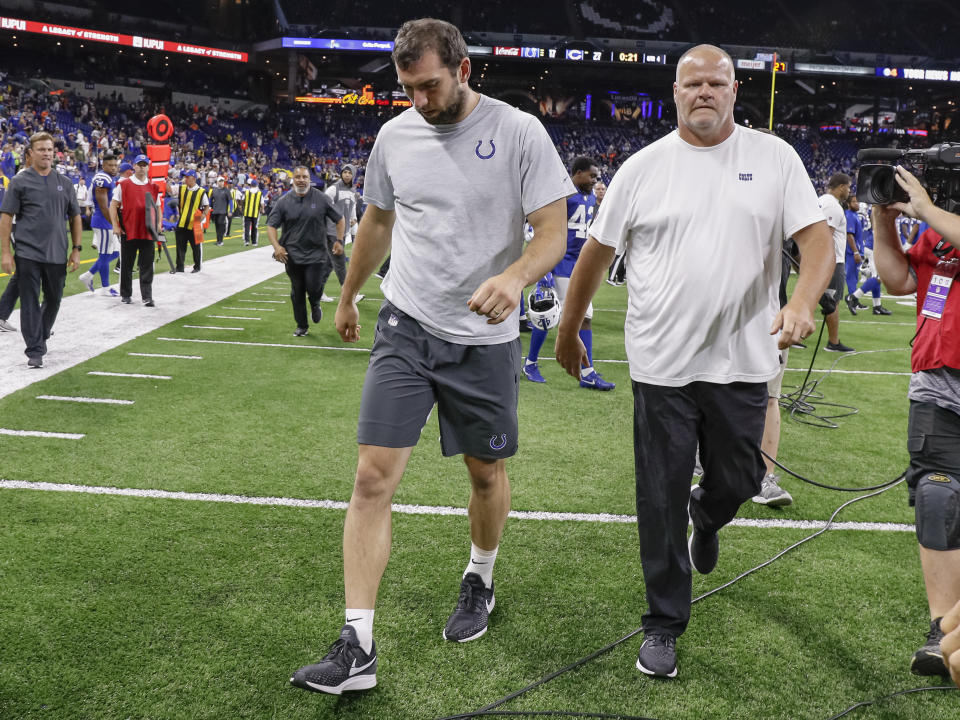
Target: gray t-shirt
302,220
461,193
219,201
41,205
941,387
344,197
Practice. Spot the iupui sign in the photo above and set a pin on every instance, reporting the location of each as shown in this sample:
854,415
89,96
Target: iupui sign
134,41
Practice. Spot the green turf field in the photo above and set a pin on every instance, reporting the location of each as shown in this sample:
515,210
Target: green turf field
131,607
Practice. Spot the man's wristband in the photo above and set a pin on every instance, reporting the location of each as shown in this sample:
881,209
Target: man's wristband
78,248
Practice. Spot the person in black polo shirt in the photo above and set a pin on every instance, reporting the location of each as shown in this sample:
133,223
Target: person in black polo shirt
41,199
302,248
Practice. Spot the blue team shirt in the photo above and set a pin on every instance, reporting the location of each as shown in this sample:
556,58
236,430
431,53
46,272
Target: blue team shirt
101,180
855,228
580,209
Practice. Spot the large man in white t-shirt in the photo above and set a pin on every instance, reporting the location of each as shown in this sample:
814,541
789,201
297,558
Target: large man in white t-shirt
448,186
838,190
699,361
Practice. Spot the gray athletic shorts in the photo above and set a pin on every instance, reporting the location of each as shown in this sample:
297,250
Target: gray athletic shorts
475,388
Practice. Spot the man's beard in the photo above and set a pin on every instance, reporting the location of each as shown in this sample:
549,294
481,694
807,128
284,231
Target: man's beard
298,191
450,113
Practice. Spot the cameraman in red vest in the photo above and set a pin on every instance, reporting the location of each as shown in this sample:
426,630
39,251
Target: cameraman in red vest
930,269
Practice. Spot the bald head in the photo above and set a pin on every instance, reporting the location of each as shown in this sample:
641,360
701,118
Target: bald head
705,92
710,54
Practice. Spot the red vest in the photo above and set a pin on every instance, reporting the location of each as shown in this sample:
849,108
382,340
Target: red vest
133,208
937,343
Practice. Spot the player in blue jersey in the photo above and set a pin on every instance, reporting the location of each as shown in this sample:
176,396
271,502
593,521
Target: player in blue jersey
857,235
580,209
104,235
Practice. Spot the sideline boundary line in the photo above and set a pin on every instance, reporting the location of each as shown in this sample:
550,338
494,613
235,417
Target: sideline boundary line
438,510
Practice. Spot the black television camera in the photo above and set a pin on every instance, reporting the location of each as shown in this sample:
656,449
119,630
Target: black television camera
937,168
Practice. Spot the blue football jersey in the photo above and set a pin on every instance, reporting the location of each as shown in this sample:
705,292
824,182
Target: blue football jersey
580,209
101,180
856,229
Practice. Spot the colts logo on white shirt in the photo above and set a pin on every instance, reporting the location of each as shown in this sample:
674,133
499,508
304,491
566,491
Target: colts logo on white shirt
746,177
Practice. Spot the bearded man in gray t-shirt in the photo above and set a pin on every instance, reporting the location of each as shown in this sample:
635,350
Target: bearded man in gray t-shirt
449,185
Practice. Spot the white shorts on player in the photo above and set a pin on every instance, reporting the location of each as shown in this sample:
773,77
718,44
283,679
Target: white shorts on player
562,284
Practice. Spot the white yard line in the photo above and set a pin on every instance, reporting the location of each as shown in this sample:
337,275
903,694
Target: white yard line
232,317
250,309
129,375
422,509
90,324
270,345
211,327
42,434
101,401
278,302
162,355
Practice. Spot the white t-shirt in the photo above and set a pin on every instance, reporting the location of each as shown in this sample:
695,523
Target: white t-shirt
461,193
702,230
837,220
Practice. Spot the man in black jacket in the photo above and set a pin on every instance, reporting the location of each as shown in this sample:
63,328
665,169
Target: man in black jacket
302,214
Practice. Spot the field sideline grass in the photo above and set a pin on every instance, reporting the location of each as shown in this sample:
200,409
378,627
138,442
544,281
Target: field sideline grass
122,607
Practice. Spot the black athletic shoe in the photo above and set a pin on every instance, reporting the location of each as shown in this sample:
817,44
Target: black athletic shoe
658,655
300,332
195,270
704,551
852,303
316,313
148,303
35,362
837,347
469,620
126,300
928,660
881,310
345,667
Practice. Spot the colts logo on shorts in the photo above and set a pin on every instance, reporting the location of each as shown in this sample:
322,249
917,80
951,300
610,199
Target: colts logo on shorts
493,150
313,206
498,443
393,321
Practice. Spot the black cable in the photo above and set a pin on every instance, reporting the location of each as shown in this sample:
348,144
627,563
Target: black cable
832,487
490,710
866,703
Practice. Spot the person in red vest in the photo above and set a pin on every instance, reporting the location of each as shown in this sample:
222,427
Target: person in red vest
929,268
128,211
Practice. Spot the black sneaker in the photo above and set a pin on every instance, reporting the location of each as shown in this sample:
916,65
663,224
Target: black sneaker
345,667
149,303
704,551
837,347
928,660
126,300
35,362
658,655
316,313
469,620
300,332
852,303
881,310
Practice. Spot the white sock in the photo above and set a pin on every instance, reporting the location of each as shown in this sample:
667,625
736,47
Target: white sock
858,293
481,563
362,622
585,371
876,302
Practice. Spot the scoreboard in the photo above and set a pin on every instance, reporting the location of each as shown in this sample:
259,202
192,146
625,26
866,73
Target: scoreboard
572,54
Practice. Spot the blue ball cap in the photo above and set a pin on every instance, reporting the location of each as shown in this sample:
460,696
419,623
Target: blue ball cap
141,159
124,166
189,173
